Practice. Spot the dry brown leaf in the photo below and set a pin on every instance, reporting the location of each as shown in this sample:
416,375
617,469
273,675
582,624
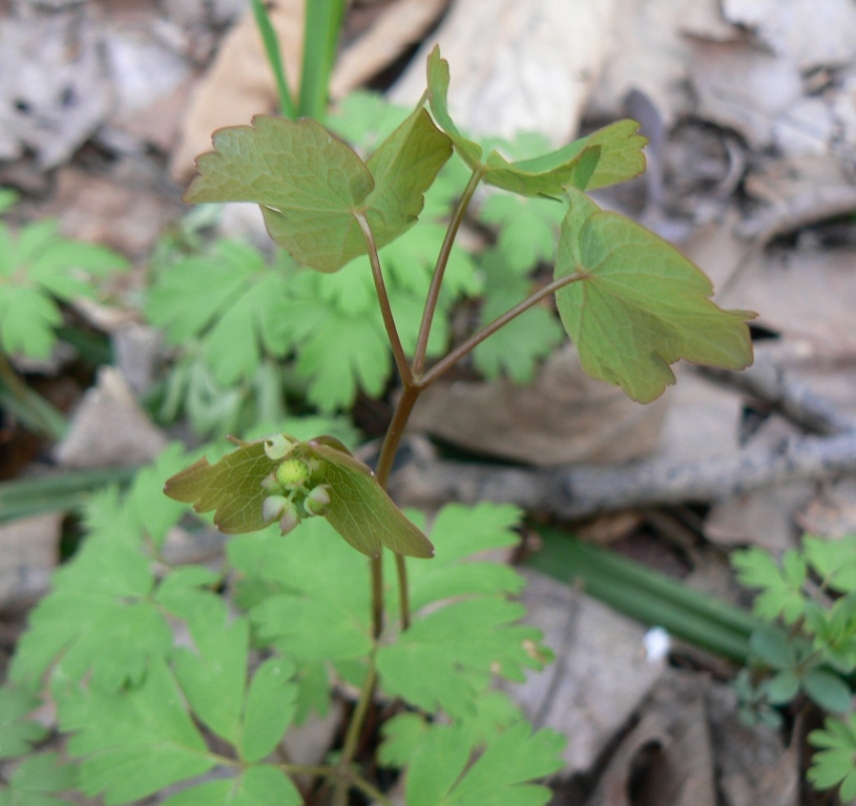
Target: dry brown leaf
765,517
703,419
832,513
518,66
743,87
29,552
109,428
600,675
563,416
809,32
648,52
804,294
399,26
240,82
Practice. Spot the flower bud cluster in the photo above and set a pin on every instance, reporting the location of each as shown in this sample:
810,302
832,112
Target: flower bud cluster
295,489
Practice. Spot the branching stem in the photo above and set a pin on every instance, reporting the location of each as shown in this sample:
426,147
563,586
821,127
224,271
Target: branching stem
440,270
445,364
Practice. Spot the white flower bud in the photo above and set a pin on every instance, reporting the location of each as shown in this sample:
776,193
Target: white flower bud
273,507
318,500
278,446
290,518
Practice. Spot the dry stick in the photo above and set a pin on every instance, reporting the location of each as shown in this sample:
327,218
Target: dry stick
586,490
768,381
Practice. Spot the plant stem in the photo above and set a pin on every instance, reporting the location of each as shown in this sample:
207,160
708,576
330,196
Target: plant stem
440,270
385,307
352,738
376,569
409,396
445,364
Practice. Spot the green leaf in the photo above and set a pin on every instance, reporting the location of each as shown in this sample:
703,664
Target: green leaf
404,167
620,154
448,655
339,354
16,734
781,587
35,267
317,606
8,199
37,779
460,534
835,763
834,560
255,786
517,347
232,487
612,154
229,300
135,742
213,677
438,775
27,321
365,118
639,305
773,647
269,708
827,690
307,182
528,230
97,619
783,687
403,734
359,510
363,513
310,185
438,92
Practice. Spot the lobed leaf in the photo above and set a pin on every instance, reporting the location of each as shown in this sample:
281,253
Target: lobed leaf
232,487
17,735
310,185
133,743
448,656
261,785
612,154
438,774
639,305
37,780
361,511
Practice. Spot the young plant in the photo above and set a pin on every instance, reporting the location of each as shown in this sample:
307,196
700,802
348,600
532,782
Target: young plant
39,269
808,646
146,715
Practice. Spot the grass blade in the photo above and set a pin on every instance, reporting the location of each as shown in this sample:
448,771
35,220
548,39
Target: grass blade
320,41
274,57
648,596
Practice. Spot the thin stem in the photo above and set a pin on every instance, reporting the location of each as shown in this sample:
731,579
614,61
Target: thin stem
352,738
440,269
403,591
392,440
473,341
383,298
376,568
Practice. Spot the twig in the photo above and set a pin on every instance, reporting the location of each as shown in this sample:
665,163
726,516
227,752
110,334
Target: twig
768,381
586,490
